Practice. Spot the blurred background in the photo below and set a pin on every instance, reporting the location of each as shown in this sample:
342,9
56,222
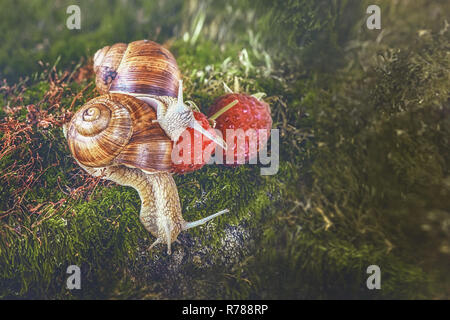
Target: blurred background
36,31
364,157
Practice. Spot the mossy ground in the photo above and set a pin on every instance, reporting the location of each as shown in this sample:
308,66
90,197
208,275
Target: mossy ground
364,158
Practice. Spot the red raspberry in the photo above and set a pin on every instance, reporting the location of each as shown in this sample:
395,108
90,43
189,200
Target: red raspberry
196,155
247,113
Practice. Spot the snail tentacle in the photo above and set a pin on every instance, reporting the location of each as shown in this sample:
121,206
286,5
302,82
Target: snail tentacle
193,224
157,241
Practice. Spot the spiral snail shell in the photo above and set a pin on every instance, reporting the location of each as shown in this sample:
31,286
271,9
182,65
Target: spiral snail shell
127,134
138,67
116,129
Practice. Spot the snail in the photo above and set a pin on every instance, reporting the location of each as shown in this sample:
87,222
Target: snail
114,137
126,135
149,72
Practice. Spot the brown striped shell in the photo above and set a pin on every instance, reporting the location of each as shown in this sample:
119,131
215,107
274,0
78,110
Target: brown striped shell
143,67
118,129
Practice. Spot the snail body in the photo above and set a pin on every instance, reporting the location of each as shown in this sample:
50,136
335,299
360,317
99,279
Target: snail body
115,137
